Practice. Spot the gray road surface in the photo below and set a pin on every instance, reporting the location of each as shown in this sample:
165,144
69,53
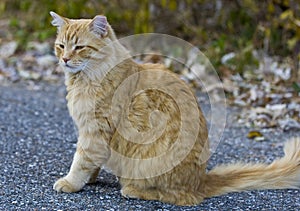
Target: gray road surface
38,139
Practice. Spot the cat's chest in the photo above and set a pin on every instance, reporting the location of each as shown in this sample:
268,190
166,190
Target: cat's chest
91,109
86,102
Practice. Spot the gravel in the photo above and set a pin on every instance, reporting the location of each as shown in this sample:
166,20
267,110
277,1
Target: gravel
38,139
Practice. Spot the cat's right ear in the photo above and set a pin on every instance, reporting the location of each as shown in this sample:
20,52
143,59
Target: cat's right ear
57,21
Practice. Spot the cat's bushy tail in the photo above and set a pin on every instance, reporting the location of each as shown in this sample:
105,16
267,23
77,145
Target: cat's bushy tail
282,173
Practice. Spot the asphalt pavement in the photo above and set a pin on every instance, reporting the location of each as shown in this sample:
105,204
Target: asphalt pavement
38,139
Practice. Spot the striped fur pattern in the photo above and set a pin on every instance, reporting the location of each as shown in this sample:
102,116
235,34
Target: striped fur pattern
93,76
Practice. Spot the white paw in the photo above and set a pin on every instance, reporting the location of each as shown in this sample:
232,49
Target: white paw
62,185
127,193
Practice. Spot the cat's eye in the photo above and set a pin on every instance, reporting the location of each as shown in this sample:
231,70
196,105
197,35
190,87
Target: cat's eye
62,46
79,47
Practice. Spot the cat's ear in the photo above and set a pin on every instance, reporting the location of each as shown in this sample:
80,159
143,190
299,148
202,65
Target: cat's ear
99,25
57,21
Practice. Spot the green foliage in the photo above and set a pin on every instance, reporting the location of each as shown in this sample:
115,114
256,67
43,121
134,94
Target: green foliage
296,87
218,27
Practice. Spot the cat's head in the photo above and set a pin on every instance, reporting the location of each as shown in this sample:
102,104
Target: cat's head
79,41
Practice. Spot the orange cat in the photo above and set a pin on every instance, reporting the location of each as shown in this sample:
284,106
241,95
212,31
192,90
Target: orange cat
119,111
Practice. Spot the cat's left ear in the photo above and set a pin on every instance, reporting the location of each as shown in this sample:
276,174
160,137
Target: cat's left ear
99,25
57,21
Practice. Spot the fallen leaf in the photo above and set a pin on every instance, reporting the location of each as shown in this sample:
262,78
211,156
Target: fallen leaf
256,135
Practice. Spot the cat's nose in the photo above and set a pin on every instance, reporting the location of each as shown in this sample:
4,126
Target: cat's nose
66,60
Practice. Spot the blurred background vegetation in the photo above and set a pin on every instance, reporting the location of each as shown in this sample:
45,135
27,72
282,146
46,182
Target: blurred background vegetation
217,27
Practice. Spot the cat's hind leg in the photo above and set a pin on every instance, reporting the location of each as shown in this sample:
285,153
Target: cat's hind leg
178,197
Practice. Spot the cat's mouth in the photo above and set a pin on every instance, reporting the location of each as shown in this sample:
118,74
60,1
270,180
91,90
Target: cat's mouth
71,69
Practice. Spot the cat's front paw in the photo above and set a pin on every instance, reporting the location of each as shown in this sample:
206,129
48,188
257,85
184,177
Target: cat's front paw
62,185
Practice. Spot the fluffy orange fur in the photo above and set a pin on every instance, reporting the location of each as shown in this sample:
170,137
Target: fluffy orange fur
89,53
